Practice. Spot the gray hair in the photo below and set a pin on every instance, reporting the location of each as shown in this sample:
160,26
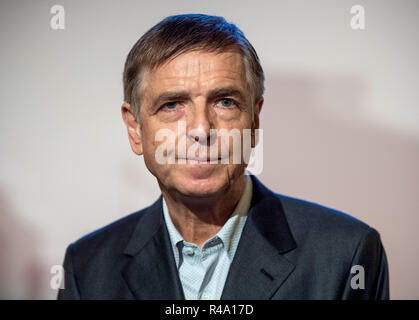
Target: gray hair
182,33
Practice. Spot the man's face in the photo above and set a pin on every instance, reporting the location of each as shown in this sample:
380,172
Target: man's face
204,91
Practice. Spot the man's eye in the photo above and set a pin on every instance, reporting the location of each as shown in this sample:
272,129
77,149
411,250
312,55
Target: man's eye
226,103
170,105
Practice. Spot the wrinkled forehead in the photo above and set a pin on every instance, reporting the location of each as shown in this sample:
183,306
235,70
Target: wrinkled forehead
197,69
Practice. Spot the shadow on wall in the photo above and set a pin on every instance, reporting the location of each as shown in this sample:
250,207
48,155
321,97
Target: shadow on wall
20,268
319,146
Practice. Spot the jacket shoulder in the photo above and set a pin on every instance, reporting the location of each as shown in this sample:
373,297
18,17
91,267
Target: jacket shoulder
325,228
318,216
112,237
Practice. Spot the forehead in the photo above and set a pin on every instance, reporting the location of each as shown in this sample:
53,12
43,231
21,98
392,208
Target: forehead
197,70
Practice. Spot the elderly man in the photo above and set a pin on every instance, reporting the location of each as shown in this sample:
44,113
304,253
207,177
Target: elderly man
216,232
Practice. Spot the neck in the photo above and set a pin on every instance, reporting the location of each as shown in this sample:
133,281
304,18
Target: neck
199,219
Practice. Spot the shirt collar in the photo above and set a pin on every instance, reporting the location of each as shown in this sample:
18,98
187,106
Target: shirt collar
231,231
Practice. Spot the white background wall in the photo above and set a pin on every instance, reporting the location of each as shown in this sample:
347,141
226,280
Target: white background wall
341,121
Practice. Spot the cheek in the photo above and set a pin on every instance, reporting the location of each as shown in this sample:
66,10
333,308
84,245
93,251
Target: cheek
157,141
240,123
149,143
228,115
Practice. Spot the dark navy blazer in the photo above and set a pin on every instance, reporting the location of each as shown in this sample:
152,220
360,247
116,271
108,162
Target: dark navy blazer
289,249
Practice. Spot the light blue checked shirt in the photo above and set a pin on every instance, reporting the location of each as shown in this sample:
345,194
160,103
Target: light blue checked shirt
203,272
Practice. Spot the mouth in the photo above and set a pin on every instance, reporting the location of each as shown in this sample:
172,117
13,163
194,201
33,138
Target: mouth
197,160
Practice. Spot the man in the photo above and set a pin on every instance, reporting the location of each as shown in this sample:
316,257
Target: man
215,233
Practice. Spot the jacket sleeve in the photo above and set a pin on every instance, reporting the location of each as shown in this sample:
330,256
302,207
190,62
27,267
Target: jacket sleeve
368,275
70,290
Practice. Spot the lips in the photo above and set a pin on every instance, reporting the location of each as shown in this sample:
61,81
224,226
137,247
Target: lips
197,160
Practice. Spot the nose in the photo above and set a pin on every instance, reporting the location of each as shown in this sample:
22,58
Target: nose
200,123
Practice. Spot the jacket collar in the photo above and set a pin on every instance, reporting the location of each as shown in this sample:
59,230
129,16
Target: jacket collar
257,270
152,274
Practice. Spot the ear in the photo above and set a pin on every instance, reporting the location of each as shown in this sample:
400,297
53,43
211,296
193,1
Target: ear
134,132
255,125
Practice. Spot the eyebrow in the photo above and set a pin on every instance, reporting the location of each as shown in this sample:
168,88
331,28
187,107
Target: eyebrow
168,96
226,91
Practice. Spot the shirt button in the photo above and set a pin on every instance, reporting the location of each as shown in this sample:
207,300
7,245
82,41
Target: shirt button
189,251
206,296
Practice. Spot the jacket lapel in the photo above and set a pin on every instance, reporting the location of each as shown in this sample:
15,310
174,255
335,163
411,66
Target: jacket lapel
151,273
259,267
